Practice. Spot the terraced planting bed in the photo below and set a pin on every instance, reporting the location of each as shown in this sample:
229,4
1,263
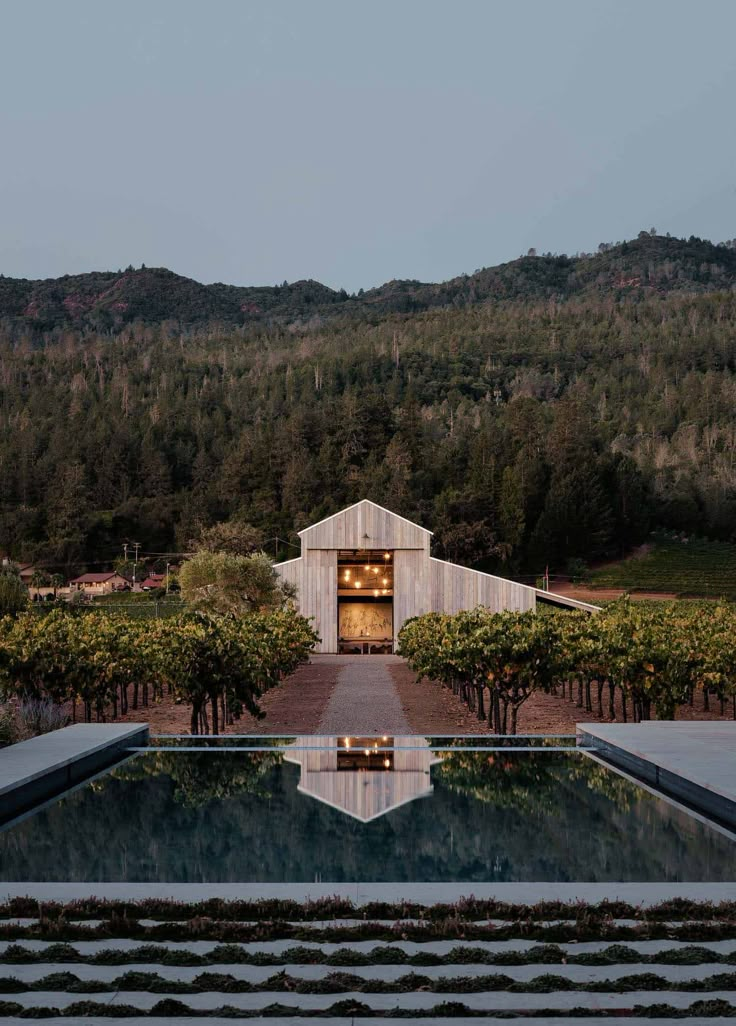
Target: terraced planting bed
337,960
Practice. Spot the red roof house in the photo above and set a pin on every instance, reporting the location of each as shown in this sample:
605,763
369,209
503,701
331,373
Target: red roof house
99,584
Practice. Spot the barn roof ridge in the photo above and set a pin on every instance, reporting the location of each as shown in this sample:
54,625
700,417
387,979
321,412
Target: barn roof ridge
360,502
341,807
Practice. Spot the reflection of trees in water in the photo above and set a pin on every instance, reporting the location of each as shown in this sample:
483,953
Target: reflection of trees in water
498,779
203,777
236,816
527,780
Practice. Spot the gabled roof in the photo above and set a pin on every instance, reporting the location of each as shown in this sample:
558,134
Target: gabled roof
153,581
365,525
364,503
96,578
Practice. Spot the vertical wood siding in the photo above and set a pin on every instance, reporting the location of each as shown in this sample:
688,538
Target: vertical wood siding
412,595
422,584
453,588
315,578
370,793
365,526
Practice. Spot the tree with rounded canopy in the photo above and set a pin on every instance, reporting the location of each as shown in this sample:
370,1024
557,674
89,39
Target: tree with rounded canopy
234,536
223,582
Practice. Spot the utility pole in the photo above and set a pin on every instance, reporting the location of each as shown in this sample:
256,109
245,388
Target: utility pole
167,577
136,546
125,551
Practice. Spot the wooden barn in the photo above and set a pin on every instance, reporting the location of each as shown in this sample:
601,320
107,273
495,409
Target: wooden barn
364,571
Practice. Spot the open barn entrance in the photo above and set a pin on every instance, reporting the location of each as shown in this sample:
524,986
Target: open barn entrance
365,604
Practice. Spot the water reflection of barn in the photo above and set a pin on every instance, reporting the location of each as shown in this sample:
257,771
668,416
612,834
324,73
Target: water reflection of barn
363,777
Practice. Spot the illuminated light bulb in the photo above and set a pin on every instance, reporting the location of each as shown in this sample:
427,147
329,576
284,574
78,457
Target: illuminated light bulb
357,584
387,763
347,742
387,555
385,737
375,593
347,575
367,569
385,592
385,580
367,751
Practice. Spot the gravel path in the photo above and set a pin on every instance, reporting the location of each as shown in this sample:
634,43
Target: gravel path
365,699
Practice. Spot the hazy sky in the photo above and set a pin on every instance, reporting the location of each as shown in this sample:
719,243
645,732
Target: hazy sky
252,141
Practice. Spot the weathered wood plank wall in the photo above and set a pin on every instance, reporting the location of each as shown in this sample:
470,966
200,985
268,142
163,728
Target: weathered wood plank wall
365,526
453,588
421,583
315,578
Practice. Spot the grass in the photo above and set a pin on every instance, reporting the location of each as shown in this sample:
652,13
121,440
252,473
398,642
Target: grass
674,563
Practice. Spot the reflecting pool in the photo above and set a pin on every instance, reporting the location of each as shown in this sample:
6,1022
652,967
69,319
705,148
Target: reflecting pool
362,809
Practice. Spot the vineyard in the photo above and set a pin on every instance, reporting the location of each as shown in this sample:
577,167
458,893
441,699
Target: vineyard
691,566
100,666
630,659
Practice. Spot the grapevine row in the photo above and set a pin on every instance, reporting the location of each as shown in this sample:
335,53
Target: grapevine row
103,665
653,658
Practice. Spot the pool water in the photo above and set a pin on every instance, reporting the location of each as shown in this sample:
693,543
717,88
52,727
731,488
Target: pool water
373,811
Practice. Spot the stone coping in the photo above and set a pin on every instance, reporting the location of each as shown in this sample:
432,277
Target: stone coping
692,761
34,770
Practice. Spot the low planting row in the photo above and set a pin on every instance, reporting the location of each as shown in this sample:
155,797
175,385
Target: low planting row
234,954
344,983
172,1008
216,930
468,909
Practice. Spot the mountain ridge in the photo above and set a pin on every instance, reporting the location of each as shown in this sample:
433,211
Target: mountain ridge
108,300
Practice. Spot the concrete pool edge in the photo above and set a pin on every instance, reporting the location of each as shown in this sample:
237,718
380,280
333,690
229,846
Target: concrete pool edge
642,893
45,766
693,761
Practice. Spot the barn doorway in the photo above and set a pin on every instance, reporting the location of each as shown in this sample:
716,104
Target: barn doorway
365,602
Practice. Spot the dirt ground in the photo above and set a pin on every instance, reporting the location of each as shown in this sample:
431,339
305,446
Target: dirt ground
296,706
432,709
595,595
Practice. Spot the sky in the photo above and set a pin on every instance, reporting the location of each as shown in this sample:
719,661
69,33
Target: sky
257,141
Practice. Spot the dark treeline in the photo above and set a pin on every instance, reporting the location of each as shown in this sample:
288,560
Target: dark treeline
523,432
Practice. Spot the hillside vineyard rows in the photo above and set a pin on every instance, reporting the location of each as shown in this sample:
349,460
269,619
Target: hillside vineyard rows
549,410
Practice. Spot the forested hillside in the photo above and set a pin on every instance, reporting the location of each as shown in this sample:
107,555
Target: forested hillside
549,409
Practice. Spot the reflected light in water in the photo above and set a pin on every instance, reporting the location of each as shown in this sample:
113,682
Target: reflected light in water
345,773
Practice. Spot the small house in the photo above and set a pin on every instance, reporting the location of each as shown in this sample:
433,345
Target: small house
94,585
153,581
